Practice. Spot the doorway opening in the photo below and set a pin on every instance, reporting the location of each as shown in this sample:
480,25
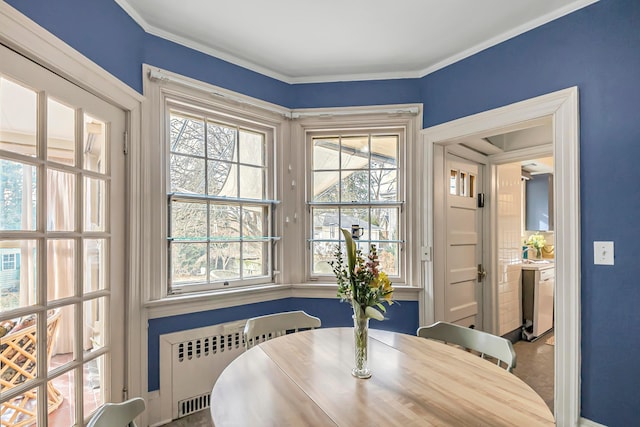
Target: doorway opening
561,110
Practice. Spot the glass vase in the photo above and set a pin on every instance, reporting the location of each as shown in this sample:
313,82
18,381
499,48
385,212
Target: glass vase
361,341
538,253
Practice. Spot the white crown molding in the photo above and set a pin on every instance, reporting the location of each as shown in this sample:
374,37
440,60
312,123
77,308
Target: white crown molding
244,63
494,41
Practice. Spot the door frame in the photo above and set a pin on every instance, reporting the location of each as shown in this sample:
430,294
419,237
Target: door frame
562,108
26,37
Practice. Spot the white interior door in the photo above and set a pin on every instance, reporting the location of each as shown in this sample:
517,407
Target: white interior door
62,275
463,242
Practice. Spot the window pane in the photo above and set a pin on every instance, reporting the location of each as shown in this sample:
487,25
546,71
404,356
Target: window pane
326,153
251,182
95,137
61,197
94,204
384,151
384,185
61,133
355,152
18,191
221,142
384,224
355,186
222,179
59,320
94,325
326,187
18,276
188,220
323,253
388,257
186,135
18,118
225,222
251,148
187,174
359,217
254,259
325,224
93,381
60,268
253,221
225,261
188,262
94,264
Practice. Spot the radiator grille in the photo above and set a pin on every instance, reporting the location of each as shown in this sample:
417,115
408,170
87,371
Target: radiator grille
197,358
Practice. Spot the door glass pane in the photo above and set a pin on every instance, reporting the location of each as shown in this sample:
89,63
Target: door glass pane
19,352
60,269
21,410
18,274
93,384
61,196
59,321
18,191
464,183
94,263
453,182
61,131
95,137
65,415
93,325
94,204
18,118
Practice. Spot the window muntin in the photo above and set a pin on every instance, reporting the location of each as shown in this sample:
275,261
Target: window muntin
354,181
219,208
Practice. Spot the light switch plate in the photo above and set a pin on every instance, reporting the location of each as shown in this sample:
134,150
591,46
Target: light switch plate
603,253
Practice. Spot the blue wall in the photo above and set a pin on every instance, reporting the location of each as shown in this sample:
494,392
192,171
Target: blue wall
596,49
400,317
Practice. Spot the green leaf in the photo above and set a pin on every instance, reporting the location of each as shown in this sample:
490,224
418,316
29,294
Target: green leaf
351,250
373,313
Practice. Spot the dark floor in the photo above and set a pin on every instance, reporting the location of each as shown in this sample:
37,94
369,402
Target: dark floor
534,365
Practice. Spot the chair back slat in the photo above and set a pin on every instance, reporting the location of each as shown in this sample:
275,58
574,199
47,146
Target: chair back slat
263,328
471,339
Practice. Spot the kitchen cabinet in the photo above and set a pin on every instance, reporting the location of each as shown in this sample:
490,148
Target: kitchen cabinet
538,283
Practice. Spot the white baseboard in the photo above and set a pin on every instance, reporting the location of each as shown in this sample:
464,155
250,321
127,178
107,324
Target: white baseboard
588,423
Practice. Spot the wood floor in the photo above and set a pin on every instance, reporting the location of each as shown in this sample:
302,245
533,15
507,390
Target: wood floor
534,366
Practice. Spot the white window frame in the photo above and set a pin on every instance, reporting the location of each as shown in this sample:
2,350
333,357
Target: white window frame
163,88
407,118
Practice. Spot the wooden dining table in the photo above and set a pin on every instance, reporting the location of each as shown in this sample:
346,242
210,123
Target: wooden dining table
304,379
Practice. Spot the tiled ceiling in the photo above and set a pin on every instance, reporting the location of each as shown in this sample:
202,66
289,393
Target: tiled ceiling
300,41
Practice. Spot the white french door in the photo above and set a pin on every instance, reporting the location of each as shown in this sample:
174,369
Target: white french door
62,251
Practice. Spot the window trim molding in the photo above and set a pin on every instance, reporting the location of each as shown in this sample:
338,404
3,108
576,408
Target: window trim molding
171,90
351,119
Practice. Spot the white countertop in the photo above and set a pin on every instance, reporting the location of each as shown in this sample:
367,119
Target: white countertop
537,264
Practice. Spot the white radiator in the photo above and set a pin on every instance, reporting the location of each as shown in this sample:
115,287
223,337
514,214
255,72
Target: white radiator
190,363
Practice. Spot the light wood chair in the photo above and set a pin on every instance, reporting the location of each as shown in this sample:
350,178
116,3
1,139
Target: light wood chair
471,339
263,328
118,414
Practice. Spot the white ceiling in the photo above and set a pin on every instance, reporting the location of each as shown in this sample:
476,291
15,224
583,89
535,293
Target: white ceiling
301,41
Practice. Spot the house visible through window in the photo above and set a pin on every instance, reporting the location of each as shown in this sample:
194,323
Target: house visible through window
355,183
219,200
9,262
